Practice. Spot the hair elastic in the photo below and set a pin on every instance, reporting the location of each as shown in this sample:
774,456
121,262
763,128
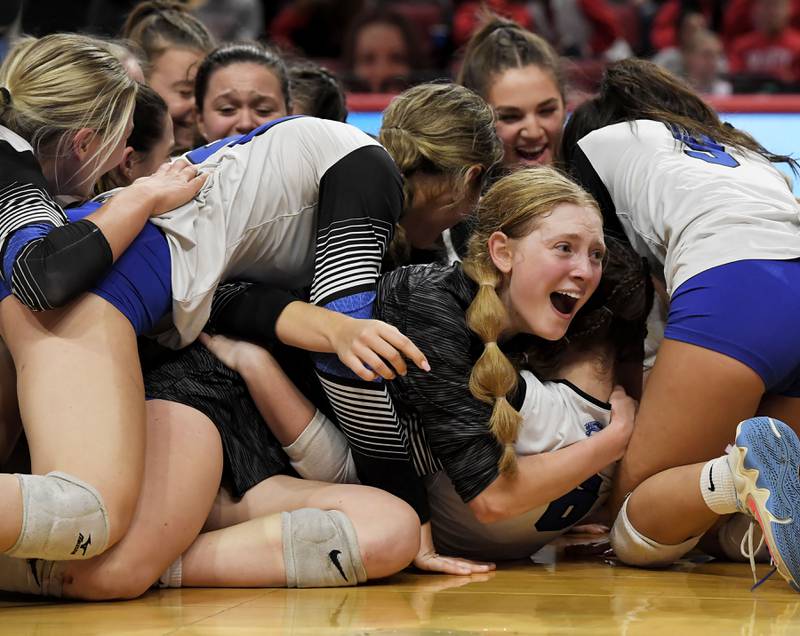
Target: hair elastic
6,95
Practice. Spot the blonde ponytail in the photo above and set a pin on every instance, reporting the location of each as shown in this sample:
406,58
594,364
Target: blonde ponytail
493,376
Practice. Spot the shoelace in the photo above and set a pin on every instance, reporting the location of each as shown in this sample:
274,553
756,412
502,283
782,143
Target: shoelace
750,553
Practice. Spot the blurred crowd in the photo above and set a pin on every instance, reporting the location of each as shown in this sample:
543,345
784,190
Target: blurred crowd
384,46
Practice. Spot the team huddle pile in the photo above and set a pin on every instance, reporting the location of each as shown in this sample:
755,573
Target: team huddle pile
356,354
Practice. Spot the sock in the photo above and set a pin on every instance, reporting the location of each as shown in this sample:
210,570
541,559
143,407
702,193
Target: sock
173,575
717,487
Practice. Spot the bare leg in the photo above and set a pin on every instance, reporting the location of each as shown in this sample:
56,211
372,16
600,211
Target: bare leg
250,534
691,406
10,422
83,408
182,471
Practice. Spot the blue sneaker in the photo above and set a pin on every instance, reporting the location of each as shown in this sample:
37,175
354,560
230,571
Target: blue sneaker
764,461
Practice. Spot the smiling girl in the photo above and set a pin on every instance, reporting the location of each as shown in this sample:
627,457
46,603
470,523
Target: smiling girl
519,75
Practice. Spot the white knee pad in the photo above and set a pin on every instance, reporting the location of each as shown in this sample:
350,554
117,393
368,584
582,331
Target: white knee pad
633,548
320,549
321,452
63,518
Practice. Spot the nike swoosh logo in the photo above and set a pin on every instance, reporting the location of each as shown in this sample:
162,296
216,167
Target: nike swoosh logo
711,478
334,557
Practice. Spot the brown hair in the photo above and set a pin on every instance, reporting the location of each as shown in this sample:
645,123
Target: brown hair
156,25
502,44
637,89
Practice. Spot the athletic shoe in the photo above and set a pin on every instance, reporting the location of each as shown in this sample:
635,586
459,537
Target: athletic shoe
764,461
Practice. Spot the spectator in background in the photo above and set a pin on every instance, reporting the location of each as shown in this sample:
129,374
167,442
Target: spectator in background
739,19
10,14
688,24
772,50
581,28
703,61
316,91
467,17
174,42
668,20
238,87
381,52
314,28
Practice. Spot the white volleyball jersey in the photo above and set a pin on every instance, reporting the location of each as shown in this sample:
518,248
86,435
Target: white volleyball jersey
256,216
686,204
554,415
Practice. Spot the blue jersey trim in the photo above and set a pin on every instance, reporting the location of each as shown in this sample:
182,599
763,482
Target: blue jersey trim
199,155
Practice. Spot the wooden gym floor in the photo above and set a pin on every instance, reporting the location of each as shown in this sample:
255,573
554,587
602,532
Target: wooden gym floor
557,595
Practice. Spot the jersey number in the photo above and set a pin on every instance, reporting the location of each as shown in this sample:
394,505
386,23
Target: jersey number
571,508
705,149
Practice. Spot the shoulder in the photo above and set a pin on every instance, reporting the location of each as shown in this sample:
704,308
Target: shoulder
17,161
432,290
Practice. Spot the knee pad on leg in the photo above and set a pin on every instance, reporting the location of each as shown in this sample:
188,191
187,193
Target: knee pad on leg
320,549
634,548
63,518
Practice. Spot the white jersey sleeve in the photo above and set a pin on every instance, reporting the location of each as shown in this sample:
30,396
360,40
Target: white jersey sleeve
555,415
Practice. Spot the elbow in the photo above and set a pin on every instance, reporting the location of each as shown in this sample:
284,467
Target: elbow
45,295
488,508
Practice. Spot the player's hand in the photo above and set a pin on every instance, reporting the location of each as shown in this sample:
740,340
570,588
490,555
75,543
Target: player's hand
371,348
428,560
238,355
172,185
623,415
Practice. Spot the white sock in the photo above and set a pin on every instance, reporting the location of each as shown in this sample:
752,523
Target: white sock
717,487
173,575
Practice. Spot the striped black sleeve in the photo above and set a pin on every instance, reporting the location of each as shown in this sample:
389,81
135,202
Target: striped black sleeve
360,201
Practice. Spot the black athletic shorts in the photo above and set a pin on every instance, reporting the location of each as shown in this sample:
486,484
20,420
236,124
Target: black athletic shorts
195,377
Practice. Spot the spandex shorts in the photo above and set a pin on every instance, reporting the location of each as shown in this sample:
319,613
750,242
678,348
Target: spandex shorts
746,310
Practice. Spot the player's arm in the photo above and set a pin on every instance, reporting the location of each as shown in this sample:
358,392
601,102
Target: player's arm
547,476
47,263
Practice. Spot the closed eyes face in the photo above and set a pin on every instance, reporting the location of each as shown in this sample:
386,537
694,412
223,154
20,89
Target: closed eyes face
239,98
530,115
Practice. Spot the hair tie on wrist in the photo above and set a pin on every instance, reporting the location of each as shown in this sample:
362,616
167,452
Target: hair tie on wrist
6,95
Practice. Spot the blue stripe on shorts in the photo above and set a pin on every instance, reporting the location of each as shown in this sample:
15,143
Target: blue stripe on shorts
747,310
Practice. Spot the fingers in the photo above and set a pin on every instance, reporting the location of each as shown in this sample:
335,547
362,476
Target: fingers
454,565
401,343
